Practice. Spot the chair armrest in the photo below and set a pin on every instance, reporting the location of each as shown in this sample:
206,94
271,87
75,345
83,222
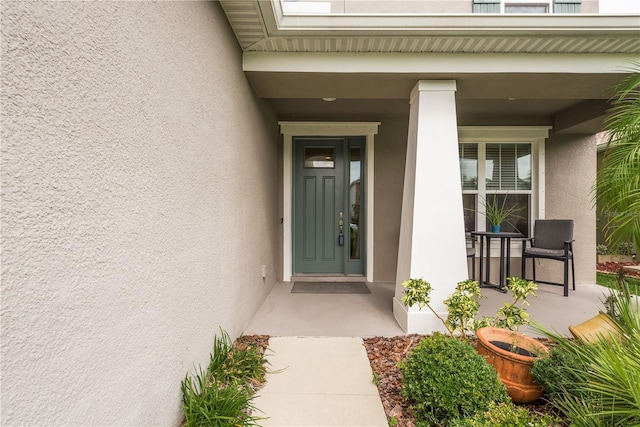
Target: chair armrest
524,242
568,247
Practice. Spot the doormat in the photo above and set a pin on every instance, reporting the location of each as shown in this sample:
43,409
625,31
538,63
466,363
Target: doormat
330,288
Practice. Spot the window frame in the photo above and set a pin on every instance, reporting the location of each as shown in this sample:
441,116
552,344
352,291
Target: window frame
547,3
552,6
534,135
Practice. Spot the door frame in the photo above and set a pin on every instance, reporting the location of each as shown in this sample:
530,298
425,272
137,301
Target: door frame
301,129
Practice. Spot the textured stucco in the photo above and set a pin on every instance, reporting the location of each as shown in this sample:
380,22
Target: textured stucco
391,149
570,173
139,178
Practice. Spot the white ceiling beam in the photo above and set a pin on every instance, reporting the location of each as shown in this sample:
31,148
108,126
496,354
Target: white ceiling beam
400,63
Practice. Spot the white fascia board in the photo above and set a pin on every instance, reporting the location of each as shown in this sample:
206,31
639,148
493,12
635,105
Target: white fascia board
460,24
402,63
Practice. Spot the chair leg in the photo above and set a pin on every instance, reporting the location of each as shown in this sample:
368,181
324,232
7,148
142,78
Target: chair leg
533,262
524,267
473,267
566,277
573,273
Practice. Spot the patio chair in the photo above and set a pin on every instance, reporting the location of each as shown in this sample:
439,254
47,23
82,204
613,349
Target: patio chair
552,239
471,253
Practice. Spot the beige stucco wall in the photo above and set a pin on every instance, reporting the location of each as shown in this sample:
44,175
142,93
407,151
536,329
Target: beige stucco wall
590,6
390,156
139,178
570,173
401,6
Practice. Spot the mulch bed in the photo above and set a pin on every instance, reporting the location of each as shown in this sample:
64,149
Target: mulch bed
259,341
614,267
384,355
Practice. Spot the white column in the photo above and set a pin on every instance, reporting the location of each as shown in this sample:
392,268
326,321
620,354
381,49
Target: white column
432,241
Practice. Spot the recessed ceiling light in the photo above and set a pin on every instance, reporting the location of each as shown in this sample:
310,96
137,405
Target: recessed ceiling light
328,99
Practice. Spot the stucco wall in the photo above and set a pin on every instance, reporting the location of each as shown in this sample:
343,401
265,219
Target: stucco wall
401,6
570,173
390,156
138,205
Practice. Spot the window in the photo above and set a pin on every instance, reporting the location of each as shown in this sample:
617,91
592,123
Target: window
319,157
526,6
496,170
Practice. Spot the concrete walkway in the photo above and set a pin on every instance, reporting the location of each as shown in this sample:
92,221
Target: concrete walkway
370,315
319,381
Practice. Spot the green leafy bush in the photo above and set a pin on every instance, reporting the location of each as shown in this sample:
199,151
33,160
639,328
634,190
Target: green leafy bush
506,415
562,370
462,305
446,379
222,395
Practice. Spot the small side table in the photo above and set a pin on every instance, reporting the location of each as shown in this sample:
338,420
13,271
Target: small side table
505,253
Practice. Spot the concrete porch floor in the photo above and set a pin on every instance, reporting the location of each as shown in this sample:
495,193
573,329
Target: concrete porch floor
368,315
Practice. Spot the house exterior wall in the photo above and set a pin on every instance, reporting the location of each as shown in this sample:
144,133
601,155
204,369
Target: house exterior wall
139,201
570,173
420,6
391,148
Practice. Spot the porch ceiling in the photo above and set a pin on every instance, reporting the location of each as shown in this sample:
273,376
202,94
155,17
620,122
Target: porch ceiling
571,100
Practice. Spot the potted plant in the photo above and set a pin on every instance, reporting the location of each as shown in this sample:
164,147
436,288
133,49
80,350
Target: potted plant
508,351
512,355
497,212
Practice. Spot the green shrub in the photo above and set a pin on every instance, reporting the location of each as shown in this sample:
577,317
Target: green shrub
602,249
562,370
445,379
506,415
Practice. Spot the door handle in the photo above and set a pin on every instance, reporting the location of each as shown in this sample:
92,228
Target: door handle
341,226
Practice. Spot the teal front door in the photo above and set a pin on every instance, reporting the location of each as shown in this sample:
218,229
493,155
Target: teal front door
328,195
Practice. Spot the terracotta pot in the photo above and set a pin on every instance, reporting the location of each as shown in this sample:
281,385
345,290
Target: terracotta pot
513,369
595,329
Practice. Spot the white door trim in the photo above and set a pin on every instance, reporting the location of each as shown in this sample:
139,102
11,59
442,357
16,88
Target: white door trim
291,129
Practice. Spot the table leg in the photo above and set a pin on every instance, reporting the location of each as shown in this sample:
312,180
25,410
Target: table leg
501,278
508,257
488,278
481,281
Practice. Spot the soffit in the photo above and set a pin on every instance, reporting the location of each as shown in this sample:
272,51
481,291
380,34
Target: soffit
260,26
520,70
